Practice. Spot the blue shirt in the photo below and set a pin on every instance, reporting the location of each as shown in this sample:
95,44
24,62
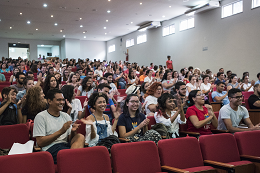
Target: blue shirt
20,95
217,81
2,77
257,82
225,101
108,111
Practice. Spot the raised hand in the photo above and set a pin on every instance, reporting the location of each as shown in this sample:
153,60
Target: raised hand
86,121
85,104
68,104
65,127
75,127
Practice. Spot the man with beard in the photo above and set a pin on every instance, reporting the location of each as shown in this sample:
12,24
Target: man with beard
180,88
254,99
231,114
19,78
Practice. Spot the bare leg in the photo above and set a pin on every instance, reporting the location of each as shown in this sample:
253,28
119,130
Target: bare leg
77,141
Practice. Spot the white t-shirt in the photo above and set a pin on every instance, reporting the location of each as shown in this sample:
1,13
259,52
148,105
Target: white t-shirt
192,87
76,107
98,72
150,100
85,93
226,112
174,126
204,87
168,82
245,86
46,124
147,79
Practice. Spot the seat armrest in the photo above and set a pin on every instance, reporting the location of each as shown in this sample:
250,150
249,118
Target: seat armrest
219,164
172,169
215,131
250,158
253,110
194,134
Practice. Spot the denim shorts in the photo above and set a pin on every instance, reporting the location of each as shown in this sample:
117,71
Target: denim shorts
56,148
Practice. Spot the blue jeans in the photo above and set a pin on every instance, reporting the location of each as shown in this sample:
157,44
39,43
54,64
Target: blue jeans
122,84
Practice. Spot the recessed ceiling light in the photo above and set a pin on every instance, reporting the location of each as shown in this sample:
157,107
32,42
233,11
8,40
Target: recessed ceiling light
45,5
131,22
21,14
109,0
141,3
64,36
51,15
105,33
106,20
36,29
61,30
170,6
0,20
80,18
11,27
85,37
84,32
105,27
14,44
28,22
55,24
108,11
42,45
18,42
163,16
81,26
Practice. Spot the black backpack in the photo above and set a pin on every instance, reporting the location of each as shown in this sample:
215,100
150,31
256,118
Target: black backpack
108,141
9,116
162,130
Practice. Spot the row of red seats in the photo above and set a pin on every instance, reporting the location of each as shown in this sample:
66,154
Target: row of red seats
212,153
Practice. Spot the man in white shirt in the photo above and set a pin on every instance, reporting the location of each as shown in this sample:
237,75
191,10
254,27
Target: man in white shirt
231,114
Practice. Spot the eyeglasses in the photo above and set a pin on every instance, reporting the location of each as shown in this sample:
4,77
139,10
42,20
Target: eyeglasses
238,97
200,95
134,101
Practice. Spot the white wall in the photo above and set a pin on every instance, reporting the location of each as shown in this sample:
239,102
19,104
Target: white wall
43,51
18,52
93,50
232,43
72,48
33,46
55,50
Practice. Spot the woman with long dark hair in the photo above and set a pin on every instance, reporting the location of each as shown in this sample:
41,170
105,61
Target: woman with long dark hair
151,96
132,78
86,87
167,115
200,117
72,105
50,83
132,124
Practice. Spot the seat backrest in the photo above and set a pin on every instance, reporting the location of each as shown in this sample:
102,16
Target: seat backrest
82,128
247,94
210,97
138,157
180,152
82,99
92,159
3,86
152,122
40,162
219,147
10,134
247,104
248,142
5,83
122,92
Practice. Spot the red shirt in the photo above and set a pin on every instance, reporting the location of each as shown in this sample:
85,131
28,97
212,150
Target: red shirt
169,64
193,110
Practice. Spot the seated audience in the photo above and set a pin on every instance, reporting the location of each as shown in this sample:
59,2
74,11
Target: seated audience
53,128
220,95
28,83
12,78
258,77
220,78
2,78
167,81
158,76
149,77
73,80
4,68
233,82
109,77
86,88
231,114
33,103
49,84
132,78
119,77
200,117
98,72
192,85
247,86
10,112
133,125
206,87
58,78
151,96
167,114
97,124
254,99
180,92
20,78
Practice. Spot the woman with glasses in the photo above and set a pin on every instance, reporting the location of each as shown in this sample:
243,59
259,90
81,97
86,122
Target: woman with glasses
193,85
233,82
247,86
151,96
206,87
133,125
200,117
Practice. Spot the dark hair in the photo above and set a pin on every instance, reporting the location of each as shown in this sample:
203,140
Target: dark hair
70,78
48,73
204,77
34,68
51,93
67,91
125,108
155,67
231,77
162,101
165,75
26,80
102,78
243,78
190,67
84,83
93,98
258,74
64,76
182,70
147,72
18,74
108,74
233,91
190,77
173,74
220,69
46,84
192,95
129,74
219,73
220,82
142,87
103,85
6,91
178,84
228,71
28,72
